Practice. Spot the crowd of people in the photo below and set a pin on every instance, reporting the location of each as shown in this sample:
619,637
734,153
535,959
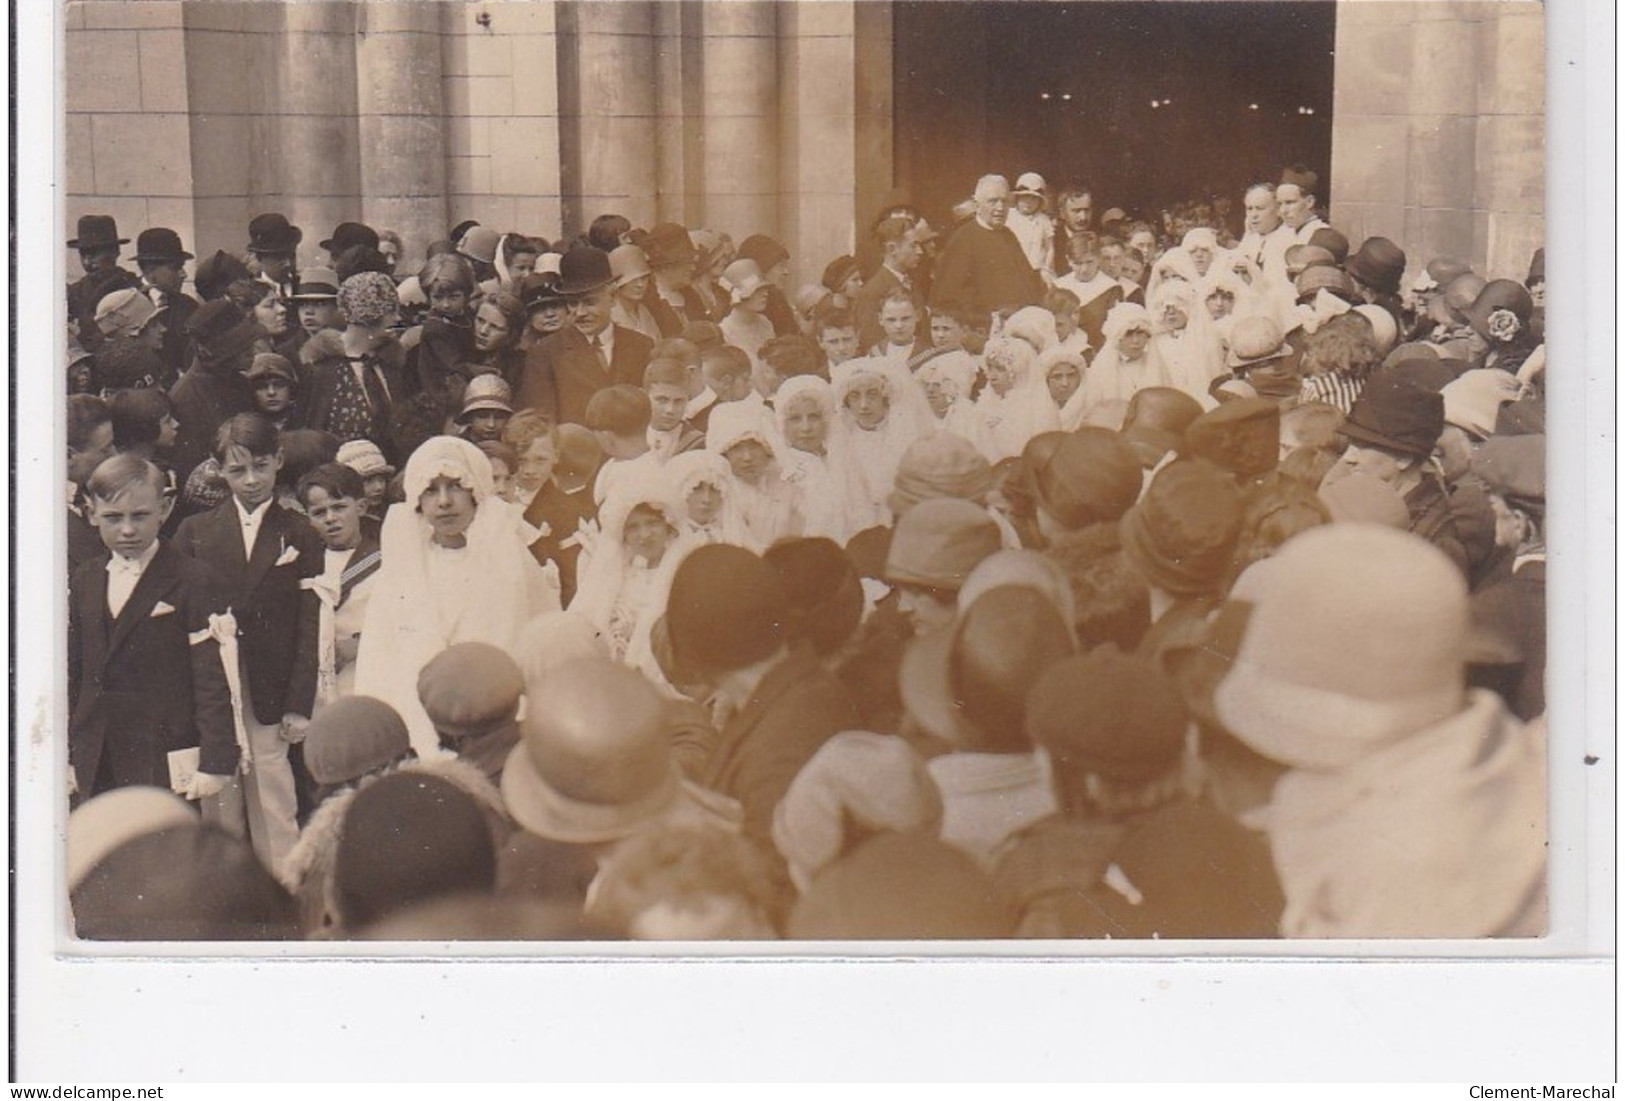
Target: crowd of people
1052,573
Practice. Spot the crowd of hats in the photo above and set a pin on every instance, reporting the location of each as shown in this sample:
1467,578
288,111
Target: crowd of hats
1071,680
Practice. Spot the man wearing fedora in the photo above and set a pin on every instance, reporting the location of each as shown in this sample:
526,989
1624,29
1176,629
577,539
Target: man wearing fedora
1392,432
568,368
97,243
272,245
162,261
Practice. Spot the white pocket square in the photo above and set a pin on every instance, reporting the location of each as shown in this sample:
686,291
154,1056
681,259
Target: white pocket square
288,556
161,608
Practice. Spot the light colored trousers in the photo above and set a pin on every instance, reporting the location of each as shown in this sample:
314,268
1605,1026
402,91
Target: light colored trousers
263,805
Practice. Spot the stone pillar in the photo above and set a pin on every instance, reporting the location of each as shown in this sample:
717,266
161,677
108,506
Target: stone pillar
402,151
740,129
818,134
1438,129
319,135
678,63
607,147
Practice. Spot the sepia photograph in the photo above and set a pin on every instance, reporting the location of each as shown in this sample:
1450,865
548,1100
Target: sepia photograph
800,480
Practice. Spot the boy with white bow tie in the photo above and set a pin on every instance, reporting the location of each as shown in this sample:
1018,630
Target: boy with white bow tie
142,689
262,552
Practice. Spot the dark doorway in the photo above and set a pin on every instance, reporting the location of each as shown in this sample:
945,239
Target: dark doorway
1066,90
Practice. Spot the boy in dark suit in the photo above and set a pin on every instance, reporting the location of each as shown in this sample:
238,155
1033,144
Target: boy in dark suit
144,677
262,552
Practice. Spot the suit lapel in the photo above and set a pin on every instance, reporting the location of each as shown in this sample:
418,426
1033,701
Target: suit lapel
157,581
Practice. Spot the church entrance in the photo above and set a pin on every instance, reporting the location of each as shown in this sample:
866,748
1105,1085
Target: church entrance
1149,104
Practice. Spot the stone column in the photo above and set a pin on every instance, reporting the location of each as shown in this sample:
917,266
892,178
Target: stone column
678,63
740,130
318,166
607,81
402,150
818,134
1438,129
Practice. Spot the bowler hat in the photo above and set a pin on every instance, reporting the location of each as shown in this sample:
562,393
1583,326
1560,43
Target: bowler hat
159,245
1379,264
272,233
97,231
220,330
1396,413
1181,535
584,269
348,234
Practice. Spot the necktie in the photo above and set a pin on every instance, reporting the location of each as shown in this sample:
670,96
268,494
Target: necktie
598,350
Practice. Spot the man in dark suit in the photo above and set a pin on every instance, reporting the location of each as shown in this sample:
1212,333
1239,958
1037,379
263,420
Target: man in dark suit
569,367
899,256
162,260
98,245
213,387
140,688
262,554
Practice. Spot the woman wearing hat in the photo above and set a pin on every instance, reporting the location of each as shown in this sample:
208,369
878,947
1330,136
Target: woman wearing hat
1501,318
746,325
457,567
636,305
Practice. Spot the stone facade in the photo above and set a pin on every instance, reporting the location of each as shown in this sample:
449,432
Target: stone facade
741,115
1439,128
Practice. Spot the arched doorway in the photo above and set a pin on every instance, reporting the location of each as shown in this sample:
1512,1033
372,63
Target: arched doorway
1067,90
